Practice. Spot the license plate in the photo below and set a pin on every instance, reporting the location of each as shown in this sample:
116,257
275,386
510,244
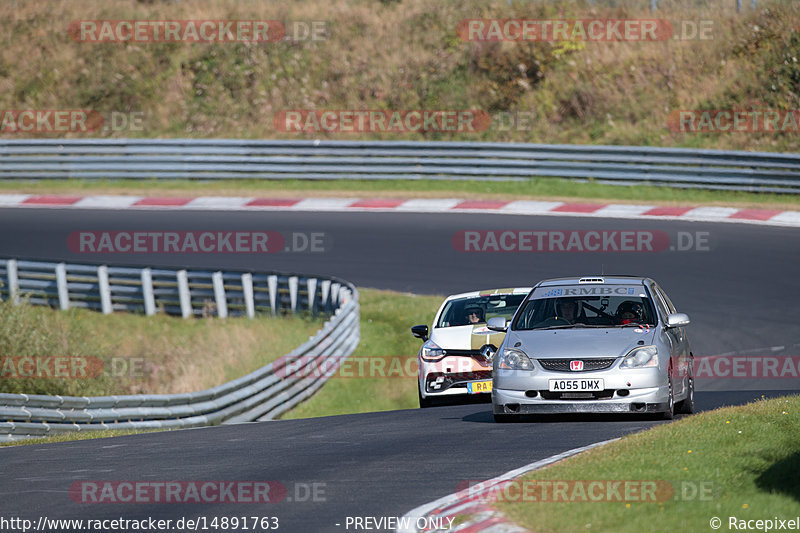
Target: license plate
576,385
479,386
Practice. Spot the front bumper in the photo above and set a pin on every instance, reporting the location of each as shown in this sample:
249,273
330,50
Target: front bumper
630,391
451,376
515,402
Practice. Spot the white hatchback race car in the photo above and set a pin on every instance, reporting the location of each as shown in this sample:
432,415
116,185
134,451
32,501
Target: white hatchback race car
455,359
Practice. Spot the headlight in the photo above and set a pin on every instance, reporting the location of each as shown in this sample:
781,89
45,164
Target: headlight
431,351
641,357
512,359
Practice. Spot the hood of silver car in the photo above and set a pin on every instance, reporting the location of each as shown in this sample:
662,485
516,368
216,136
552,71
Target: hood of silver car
579,342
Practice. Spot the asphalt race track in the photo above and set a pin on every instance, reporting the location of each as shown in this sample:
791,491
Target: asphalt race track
739,289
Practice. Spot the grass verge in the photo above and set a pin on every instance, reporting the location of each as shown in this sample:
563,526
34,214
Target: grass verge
385,333
533,189
84,353
741,462
73,436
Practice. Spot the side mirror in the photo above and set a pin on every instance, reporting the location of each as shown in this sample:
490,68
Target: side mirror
421,332
497,323
676,320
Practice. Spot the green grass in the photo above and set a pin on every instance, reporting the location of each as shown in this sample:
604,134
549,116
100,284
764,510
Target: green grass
386,320
73,436
745,459
533,189
133,354
404,55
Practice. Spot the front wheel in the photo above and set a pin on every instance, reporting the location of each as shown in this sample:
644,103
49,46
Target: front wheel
686,406
424,402
669,414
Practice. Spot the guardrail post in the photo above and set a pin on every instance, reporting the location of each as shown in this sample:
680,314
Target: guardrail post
293,292
61,283
219,295
738,6
247,292
105,289
272,282
325,291
183,293
653,5
13,281
147,292
311,283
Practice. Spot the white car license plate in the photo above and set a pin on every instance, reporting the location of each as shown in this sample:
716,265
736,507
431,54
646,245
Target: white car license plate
576,385
479,386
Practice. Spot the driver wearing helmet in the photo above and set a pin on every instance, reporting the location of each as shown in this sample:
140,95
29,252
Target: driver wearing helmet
567,310
473,315
629,312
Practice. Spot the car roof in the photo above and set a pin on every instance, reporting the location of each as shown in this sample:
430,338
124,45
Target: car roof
596,280
490,292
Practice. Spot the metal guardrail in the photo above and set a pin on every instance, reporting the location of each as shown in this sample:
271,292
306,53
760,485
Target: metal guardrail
260,395
200,159
175,292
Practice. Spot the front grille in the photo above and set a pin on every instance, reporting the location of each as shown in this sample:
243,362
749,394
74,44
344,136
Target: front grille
597,395
589,365
463,353
455,380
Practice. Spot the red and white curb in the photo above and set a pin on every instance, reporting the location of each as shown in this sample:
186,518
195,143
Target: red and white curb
472,504
417,205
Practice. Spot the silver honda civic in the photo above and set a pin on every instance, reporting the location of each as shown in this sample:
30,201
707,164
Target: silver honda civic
612,344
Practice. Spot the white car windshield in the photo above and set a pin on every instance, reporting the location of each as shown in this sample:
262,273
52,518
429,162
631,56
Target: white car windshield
478,309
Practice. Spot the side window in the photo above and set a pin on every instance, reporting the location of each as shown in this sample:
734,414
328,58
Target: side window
665,299
659,300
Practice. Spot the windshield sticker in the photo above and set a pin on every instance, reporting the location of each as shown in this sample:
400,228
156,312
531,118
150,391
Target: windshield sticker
551,293
596,290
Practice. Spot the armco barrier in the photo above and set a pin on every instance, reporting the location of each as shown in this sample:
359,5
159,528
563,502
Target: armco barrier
31,159
176,292
261,395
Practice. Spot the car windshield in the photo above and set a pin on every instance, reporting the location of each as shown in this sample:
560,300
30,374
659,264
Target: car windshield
478,309
551,311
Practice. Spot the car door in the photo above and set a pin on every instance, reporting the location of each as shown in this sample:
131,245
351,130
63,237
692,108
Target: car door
679,343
